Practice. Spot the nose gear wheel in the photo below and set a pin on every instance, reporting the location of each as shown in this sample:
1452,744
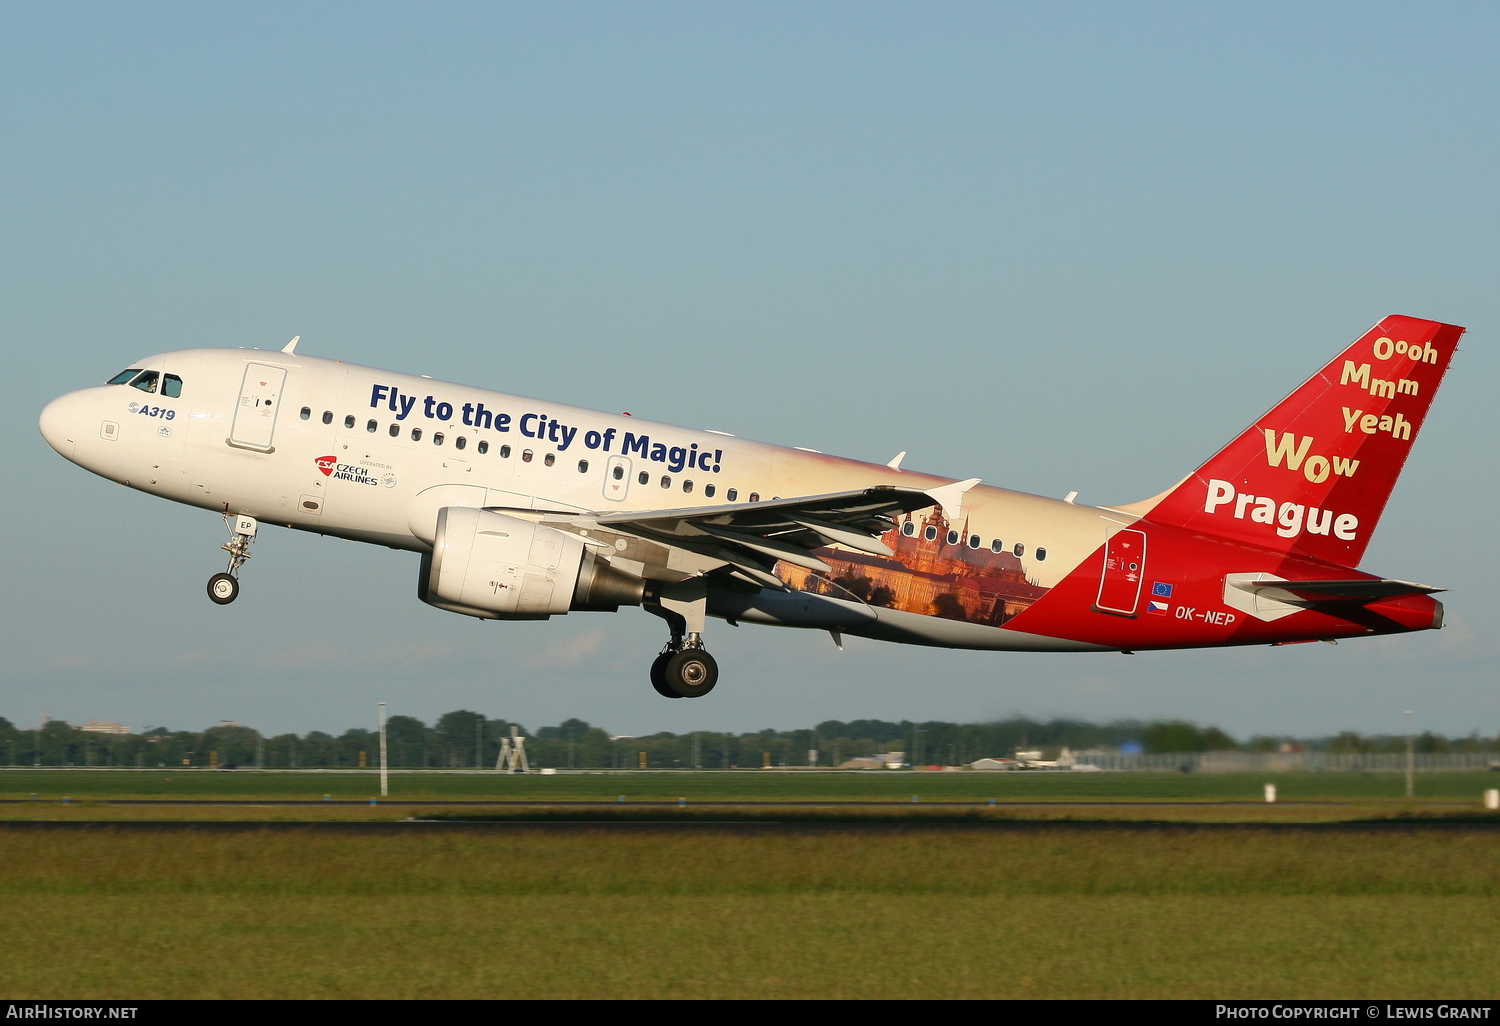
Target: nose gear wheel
223,589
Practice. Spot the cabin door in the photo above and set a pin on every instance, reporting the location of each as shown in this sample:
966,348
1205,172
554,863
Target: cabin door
255,413
1124,569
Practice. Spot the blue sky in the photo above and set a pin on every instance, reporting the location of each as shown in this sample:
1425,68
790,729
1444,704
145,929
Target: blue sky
1061,246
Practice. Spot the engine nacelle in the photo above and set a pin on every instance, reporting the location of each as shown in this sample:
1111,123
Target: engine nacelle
503,568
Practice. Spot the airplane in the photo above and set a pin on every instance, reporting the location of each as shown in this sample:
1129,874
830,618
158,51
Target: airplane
522,509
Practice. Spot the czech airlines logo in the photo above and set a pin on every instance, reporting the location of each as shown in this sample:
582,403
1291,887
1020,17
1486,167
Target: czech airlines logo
326,464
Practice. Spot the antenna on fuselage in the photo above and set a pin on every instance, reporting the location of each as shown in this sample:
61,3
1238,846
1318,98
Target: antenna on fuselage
895,463
291,347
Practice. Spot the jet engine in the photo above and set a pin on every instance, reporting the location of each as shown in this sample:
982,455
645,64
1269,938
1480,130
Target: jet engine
499,567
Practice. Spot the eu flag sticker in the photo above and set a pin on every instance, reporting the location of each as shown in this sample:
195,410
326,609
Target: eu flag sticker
1161,590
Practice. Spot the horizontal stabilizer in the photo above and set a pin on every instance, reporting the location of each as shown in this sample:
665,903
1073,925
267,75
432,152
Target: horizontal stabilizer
1268,597
1370,590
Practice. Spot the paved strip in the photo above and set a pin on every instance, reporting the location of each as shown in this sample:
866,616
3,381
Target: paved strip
537,803
735,826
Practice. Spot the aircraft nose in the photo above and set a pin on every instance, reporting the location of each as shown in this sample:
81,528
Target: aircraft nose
59,423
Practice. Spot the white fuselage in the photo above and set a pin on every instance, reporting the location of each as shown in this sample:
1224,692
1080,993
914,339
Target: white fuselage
371,455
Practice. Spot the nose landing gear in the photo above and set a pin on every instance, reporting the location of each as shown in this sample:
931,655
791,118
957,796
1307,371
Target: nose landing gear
683,669
224,588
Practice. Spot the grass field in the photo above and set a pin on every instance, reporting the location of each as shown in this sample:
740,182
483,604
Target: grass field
876,897
103,785
1178,912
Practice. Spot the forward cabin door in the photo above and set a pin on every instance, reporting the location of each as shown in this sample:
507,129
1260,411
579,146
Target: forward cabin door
255,414
1124,569
617,478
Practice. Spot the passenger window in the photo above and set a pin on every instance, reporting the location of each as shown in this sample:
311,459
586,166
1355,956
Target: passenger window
306,413
755,496
349,421
525,455
171,387
908,528
687,486
123,376
708,491
930,533
997,545
733,495
395,430
583,466
952,537
645,478
505,452
973,541
416,434
549,459
1041,553
327,416
460,441
619,473
484,447
146,382
666,480
1019,550
437,438
370,426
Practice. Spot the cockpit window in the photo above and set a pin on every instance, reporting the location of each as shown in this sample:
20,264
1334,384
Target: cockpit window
171,386
123,376
146,382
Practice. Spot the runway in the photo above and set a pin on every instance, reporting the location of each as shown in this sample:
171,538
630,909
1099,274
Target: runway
829,826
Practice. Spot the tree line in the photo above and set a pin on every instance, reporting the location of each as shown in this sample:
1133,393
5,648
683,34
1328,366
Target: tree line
464,739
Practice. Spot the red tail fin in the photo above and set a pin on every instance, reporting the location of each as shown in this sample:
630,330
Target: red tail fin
1314,474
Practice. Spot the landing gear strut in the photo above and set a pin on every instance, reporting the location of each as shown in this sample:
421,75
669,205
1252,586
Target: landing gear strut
683,669
224,588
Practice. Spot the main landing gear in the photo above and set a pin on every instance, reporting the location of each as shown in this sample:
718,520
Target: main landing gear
684,672
683,669
224,588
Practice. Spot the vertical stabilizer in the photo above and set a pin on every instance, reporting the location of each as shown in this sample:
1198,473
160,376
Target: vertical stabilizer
1313,475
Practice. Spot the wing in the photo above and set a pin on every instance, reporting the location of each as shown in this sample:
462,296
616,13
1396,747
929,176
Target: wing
750,538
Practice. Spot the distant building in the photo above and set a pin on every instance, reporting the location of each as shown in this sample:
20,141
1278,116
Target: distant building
104,727
994,764
870,762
